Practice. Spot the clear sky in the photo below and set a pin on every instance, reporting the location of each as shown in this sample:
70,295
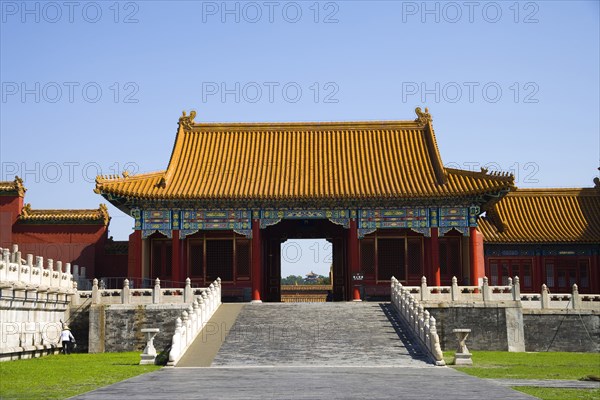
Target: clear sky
97,87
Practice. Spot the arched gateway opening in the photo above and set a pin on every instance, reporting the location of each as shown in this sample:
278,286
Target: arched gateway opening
275,235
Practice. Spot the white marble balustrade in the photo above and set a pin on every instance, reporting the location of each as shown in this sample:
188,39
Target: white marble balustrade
422,325
34,300
192,320
510,292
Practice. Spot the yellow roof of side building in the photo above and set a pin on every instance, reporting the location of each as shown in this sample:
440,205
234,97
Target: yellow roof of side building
98,216
304,160
544,216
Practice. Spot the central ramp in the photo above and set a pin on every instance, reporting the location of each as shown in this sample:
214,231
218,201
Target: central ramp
317,334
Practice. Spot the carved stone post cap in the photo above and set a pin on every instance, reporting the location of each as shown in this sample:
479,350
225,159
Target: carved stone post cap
461,331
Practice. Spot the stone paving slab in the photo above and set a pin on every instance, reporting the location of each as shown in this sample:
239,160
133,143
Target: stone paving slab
552,383
319,334
312,382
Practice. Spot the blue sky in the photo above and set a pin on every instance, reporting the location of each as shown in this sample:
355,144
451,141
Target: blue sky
97,87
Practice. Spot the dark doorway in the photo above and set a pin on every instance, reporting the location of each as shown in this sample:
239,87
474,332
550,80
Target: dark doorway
277,234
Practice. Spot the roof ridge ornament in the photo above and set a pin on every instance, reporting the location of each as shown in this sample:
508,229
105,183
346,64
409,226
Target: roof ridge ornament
187,121
423,117
26,210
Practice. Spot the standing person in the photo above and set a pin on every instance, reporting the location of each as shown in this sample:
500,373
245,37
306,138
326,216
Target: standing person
67,339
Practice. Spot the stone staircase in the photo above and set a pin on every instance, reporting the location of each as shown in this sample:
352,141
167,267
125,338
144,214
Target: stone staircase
316,334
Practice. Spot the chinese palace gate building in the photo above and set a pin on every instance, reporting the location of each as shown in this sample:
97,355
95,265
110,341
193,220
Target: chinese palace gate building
377,191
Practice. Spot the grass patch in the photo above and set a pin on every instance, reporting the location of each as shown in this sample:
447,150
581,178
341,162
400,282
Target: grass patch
551,365
560,394
60,376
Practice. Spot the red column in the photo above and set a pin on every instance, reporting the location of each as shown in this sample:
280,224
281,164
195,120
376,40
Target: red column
476,257
435,257
353,262
134,255
256,261
175,251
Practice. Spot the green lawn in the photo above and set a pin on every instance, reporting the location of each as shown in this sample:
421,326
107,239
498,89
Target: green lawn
560,394
502,364
60,376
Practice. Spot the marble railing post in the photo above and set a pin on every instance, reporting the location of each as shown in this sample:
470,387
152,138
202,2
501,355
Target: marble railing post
76,273
424,289
192,319
545,298
516,289
436,349
185,325
485,290
95,292
206,305
454,290
195,312
576,300
426,317
125,293
219,290
156,293
175,352
13,255
211,289
75,299
5,265
187,292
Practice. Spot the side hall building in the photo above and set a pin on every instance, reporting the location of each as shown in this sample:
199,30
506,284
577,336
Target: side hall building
78,236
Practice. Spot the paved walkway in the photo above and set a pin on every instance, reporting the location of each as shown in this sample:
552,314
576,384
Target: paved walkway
313,382
305,351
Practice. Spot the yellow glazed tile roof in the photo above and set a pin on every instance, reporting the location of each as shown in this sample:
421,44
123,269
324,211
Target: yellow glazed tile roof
82,216
14,187
307,160
544,215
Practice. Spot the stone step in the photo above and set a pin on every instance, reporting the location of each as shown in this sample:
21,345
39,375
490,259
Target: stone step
317,334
